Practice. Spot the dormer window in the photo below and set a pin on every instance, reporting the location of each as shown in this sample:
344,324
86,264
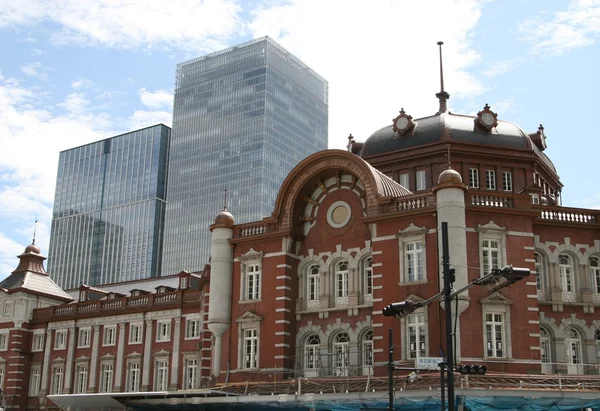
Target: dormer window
486,118
161,290
403,123
135,293
83,295
183,283
110,296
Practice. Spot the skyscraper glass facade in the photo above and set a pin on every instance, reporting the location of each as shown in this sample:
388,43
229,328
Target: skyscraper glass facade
242,119
109,210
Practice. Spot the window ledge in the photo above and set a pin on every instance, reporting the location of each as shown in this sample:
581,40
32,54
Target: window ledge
259,300
406,283
322,310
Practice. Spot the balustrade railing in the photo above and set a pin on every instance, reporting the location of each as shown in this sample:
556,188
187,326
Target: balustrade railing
492,200
568,215
252,229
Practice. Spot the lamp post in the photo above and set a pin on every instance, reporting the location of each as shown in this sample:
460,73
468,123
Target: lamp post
403,308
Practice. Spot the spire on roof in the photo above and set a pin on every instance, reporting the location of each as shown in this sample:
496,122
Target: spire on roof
225,201
443,96
34,230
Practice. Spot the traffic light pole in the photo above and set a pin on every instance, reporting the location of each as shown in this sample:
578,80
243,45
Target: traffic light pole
391,372
448,309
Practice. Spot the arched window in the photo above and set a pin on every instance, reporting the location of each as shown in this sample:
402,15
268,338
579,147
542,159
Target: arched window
368,279
311,356
313,287
341,283
367,353
567,277
595,277
540,271
573,350
341,350
545,346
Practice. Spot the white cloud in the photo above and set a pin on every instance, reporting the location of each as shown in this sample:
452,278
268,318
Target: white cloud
35,69
378,56
82,83
9,250
142,118
497,68
192,24
577,26
157,99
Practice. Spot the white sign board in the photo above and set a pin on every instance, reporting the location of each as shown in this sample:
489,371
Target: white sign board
429,363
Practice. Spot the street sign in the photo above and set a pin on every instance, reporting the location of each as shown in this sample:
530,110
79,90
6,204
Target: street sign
429,363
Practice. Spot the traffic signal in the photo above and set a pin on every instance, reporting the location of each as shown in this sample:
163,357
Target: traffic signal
472,369
401,309
514,274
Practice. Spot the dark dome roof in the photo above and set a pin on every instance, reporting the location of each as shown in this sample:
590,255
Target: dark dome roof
449,127
449,176
32,248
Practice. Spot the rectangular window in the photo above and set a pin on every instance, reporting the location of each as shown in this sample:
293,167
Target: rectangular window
84,338
494,334
314,283
490,254
421,180
163,331
250,348
110,333
38,342
161,381
135,333
3,342
490,179
57,380
417,345
60,340
133,376
341,284
81,379
473,178
34,381
2,376
190,378
507,181
192,328
414,266
8,308
106,378
252,282
403,180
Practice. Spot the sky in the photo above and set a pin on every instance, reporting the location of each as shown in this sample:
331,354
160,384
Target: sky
77,71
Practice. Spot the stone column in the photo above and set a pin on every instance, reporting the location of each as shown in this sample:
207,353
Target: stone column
69,364
353,287
94,359
325,294
147,357
118,382
175,356
46,365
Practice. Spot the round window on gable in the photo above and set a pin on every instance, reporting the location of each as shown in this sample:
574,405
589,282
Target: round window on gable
339,214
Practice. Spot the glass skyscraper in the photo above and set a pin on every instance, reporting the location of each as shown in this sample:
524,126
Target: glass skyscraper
109,209
242,119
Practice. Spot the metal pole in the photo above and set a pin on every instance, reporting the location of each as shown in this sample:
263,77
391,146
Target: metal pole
448,309
442,388
391,372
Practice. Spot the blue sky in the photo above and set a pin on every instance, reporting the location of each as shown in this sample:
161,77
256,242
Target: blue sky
76,71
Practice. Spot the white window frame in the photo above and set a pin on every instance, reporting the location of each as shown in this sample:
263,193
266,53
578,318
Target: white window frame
163,330
58,376
594,266
341,282
2,373
161,374
37,343
416,333
573,340
421,180
490,179
4,340
566,268
404,180
248,321
251,270
545,346
60,339
341,354
473,178
500,316
313,287
507,182
488,233
367,278
106,376
312,355
81,378
250,348
414,263
84,337
134,373
411,235
191,373
109,335
367,352
8,308
192,328
35,379
541,278
138,334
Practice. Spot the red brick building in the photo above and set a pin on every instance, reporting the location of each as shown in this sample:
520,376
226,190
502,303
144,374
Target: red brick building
301,293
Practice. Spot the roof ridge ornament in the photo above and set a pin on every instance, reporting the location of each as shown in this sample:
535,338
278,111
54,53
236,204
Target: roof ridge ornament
442,96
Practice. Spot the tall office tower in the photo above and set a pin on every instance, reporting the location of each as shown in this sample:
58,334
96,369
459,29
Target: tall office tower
109,209
242,119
